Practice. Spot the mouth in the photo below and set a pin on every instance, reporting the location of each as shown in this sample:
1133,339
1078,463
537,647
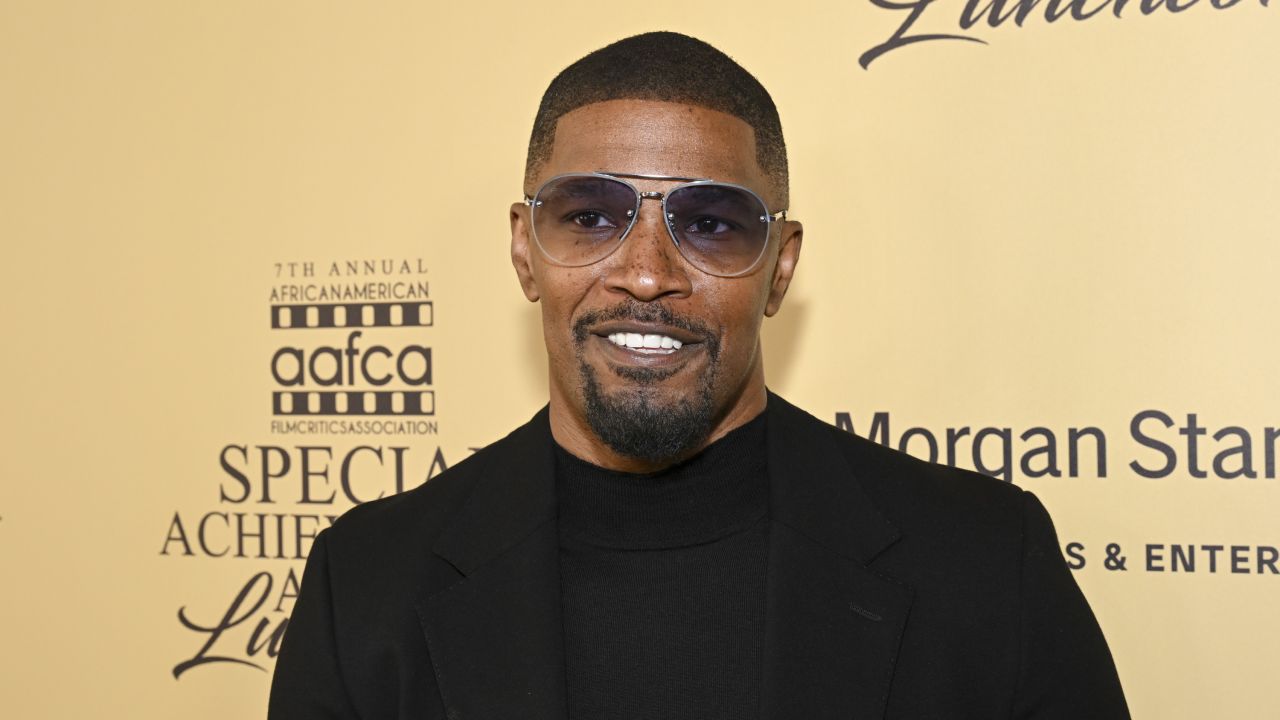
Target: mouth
647,343
643,343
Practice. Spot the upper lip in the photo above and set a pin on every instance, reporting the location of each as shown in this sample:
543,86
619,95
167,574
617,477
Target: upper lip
642,328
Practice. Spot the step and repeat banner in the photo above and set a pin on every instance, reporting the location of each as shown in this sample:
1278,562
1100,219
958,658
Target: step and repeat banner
256,272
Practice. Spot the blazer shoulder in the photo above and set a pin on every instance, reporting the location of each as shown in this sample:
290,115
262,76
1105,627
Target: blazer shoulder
920,495
897,478
414,518
954,523
896,475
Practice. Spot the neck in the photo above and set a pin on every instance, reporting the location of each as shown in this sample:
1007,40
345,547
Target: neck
720,490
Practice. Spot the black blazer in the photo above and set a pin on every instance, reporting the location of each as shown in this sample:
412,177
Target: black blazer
896,589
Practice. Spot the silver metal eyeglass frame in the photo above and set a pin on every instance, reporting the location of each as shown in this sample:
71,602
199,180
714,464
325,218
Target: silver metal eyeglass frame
641,195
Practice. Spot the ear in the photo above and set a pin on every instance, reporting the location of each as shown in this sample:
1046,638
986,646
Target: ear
521,239
785,268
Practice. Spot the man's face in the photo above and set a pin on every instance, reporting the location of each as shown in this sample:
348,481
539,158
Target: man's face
643,408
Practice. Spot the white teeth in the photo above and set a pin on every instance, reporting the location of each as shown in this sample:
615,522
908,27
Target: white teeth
651,341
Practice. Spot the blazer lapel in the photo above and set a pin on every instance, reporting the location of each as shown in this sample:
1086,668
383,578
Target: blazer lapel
833,626
494,636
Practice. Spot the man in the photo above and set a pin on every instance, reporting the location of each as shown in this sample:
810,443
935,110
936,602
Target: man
667,539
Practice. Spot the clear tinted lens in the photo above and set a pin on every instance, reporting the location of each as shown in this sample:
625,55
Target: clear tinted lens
579,219
721,229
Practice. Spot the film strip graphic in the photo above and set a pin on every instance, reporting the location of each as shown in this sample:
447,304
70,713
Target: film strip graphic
419,313
354,402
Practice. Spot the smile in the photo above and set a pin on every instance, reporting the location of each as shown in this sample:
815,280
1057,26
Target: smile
641,343
647,343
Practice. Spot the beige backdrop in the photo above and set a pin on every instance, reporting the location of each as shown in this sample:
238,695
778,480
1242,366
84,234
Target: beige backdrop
1063,228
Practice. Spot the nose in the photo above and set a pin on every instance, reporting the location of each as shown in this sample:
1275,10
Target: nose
648,266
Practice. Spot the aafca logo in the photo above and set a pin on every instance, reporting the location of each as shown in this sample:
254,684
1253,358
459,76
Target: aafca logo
341,360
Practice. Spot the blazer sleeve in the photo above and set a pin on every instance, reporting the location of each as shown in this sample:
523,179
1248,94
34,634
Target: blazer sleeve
1065,669
308,681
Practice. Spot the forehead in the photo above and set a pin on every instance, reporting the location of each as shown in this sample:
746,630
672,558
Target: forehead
655,138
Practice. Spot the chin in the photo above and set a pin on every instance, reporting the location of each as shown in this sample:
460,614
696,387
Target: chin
648,420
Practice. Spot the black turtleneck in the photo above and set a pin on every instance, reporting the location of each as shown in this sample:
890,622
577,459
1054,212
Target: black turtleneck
663,583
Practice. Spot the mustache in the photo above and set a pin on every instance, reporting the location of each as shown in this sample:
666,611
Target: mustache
644,313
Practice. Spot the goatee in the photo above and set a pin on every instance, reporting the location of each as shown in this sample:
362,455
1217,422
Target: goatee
642,421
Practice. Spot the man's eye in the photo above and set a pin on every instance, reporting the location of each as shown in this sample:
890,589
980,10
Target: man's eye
590,220
709,226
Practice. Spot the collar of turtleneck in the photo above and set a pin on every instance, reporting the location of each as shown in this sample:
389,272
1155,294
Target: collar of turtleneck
721,490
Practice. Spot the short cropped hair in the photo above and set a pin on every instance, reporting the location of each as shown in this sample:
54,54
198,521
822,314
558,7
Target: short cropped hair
669,67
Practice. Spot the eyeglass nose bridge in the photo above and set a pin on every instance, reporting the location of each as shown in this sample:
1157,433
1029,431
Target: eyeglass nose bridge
668,217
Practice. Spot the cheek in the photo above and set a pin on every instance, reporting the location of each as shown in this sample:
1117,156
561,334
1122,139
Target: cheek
739,313
562,292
